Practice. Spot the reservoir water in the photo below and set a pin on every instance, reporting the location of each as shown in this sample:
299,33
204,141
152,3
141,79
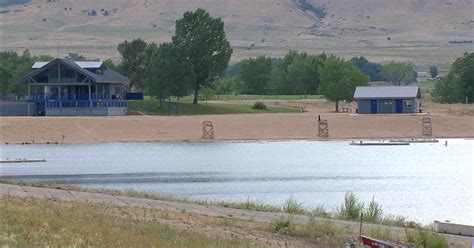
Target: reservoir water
424,182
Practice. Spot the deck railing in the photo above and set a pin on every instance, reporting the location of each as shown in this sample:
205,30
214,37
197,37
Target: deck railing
86,103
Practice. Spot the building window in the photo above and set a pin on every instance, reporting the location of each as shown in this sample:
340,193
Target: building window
407,103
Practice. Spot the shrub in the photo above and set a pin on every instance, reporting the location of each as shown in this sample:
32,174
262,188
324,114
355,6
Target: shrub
320,211
259,105
352,207
292,206
374,212
316,230
425,238
284,226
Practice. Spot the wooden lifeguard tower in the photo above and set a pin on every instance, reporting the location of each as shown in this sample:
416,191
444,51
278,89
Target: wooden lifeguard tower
207,130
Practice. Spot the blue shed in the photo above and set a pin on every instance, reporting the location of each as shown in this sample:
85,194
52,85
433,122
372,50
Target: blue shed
387,99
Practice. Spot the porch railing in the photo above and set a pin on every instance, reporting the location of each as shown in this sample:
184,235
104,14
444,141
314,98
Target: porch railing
86,103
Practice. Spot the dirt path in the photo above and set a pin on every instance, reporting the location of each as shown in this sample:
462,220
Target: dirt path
293,126
201,210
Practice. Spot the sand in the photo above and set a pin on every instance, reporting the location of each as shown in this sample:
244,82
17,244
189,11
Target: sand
283,126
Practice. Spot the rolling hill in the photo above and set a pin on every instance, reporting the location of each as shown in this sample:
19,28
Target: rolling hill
382,30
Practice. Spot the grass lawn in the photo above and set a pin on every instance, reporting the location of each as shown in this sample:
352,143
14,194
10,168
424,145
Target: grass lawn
151,107
426,85
260,97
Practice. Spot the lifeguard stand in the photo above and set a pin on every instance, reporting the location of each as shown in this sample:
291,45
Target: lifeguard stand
323,129
426,127
207,130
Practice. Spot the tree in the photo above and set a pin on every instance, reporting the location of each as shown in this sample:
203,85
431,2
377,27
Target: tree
205,44
75,56
168,71
208,92
297,73
433,71
398,73
339,79
369,68
458,85
255,73
224,86
133,61
5,81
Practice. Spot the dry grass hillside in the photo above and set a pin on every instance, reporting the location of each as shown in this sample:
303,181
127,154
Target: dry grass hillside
414,30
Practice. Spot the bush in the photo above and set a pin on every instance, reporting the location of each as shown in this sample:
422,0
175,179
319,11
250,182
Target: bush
292,206
425,238
259,105
352,207
374,212
316,230
284,226
320,211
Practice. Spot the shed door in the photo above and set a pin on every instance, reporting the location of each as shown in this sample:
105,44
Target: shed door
399,106
373,106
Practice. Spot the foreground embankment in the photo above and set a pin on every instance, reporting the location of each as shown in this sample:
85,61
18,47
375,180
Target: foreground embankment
294,126
71,216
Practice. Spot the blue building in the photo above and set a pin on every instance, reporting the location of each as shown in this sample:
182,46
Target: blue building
387,99
64,87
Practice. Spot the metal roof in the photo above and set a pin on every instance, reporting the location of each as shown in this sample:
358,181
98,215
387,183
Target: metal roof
386,92
107,75
82,64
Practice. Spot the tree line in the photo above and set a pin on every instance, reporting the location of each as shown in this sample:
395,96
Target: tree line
197,60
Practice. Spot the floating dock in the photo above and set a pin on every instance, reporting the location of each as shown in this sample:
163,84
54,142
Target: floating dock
415,140
22,160
361,143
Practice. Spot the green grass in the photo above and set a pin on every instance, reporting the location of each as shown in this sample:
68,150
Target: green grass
151,107
426,85
31,222
352,207
292,206
260,97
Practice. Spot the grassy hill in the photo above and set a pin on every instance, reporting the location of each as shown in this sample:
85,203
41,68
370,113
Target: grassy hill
414,30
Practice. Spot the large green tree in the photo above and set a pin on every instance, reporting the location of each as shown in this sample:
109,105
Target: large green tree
14,67
398,73
254,75
168,71
339,78
297,74
458,85
371,69
204,41
134,57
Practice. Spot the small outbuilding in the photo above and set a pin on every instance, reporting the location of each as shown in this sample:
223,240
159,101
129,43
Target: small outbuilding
387,99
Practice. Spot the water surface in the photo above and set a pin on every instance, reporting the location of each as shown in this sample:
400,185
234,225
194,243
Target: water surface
424,182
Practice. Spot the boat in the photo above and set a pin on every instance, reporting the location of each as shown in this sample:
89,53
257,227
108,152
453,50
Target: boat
369,242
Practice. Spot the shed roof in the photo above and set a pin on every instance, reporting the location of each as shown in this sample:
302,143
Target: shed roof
386,92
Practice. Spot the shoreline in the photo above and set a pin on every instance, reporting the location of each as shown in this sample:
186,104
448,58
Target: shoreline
177,205
235,127
240,141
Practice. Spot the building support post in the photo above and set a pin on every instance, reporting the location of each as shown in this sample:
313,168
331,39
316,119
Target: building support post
90,95
29,98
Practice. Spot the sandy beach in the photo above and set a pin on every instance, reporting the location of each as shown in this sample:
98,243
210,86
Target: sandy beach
288,126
